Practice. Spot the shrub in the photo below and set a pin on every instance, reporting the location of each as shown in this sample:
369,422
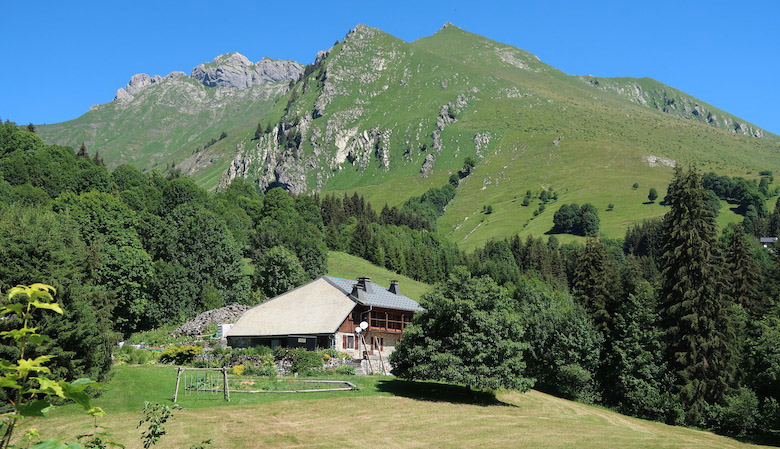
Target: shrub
740,414
265,367
180,355
341,370
576,383
610,206
133,356
238,370
304,362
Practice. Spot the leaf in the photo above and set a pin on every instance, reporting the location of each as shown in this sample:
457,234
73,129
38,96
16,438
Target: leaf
96,412
49,386
10,382
47,305
18,290
35,408
44,287
86,382
16,308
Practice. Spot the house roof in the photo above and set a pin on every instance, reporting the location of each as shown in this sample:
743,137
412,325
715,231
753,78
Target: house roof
377,297
314,308
318,307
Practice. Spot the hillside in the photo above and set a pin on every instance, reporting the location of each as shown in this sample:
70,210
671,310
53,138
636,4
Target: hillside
351,267
434,415
156,122
391,119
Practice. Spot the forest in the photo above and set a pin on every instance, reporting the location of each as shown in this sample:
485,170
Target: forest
677,322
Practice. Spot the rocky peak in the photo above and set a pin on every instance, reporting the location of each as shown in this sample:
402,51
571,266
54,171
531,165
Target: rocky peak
141,81
236,70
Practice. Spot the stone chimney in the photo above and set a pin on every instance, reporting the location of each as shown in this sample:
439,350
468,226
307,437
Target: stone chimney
394,288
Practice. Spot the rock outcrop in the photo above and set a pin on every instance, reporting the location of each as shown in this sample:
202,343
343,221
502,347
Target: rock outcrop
235,70
230,70
140,82
223,315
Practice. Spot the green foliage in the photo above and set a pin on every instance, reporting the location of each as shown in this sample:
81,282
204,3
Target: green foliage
652,195
180,355
431,205
695,314
25,380
596,284
155,416
573,219
467,335
277,271
564,347
304,361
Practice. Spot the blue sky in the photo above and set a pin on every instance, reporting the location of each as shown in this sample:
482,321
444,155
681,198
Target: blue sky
62,57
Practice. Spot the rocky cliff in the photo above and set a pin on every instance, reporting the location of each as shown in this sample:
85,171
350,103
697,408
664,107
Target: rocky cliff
229,70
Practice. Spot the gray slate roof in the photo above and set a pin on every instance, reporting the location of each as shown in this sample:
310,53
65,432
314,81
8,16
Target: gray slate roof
380,297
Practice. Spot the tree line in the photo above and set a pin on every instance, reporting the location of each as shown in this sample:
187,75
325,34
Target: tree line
676,322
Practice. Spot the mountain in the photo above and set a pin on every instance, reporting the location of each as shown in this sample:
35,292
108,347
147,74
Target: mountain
390,119
156,122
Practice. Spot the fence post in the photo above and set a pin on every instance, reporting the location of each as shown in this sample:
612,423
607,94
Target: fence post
178,378
225,378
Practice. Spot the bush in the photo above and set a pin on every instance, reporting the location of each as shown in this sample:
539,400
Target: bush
265,367
133,356
739,416
238,370
341,370
576,383
180,355
305,362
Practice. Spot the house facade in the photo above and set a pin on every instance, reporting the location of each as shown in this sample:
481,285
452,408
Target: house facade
325,313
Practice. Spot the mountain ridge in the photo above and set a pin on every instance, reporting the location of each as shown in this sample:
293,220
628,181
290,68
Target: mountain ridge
390,119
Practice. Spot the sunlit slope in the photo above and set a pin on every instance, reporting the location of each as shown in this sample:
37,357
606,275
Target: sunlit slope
170,123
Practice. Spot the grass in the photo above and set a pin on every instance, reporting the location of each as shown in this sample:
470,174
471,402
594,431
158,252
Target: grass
386,411
344,265
518,105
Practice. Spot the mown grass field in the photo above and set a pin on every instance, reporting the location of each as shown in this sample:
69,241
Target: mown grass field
346,266
385,412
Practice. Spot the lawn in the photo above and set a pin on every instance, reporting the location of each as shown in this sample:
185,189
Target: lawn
385,412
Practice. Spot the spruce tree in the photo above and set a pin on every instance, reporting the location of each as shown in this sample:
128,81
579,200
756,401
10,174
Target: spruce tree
596,285
745,277
694,312
83,153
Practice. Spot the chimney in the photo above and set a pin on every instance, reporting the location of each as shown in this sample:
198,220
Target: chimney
394,288
358,292
365,284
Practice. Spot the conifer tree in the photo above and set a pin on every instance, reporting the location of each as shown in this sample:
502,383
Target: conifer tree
694,312
83,153
596,285
744,272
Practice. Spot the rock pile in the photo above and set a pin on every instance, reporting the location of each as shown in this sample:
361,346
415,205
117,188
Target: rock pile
223,315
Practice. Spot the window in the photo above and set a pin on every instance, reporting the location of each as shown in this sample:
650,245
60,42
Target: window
349,342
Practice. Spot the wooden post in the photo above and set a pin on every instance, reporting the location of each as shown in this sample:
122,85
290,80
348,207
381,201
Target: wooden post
365,349
381,360
178,378
225,378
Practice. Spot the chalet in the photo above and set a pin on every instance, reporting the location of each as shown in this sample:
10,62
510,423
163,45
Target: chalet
325,313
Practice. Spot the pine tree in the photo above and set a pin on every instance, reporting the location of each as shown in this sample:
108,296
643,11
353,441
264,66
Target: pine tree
596,285
83,153
694,312
745,276
97,160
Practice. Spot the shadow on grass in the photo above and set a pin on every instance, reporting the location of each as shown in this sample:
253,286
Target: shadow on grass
439,392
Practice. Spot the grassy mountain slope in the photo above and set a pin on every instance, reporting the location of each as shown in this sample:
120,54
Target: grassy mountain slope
391,119
352,267
170,122
426,415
